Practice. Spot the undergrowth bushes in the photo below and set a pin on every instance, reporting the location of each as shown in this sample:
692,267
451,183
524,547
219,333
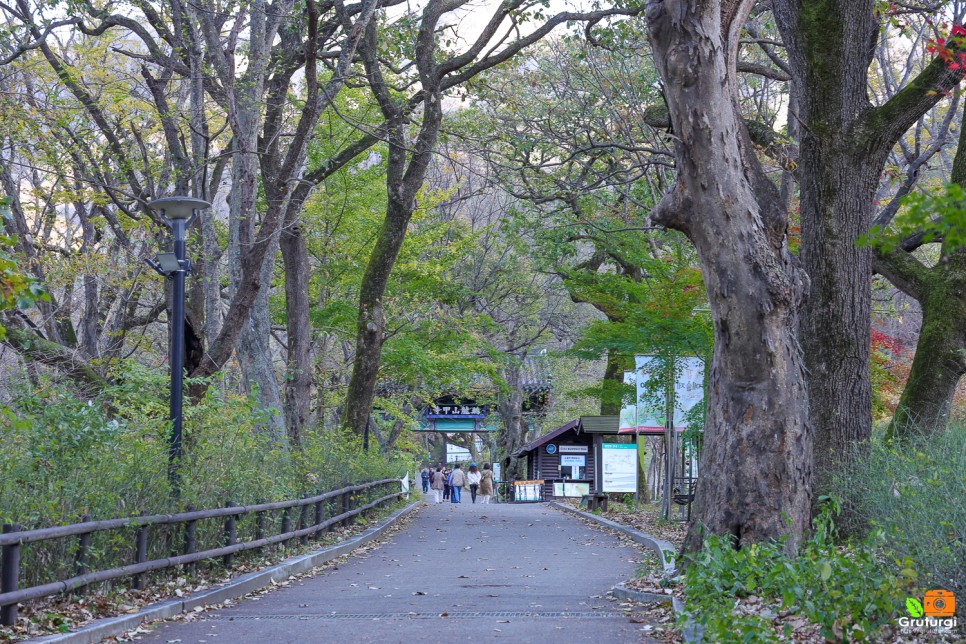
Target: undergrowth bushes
851,594
914,491
61,457
905,517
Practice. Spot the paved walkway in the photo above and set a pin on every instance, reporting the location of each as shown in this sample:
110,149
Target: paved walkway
517,573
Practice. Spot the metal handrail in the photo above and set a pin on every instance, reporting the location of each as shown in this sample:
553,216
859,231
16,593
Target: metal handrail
12,539
46,534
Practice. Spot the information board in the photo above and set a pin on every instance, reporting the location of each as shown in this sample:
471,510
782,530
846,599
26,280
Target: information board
619,467
567,489
528,490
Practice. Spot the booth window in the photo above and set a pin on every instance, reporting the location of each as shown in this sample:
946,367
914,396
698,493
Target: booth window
573,466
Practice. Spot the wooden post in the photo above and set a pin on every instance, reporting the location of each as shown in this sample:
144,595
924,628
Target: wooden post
229,534
140,553
346,506
286,526
259,529
303,523
319,517
9,575
190,542
80,557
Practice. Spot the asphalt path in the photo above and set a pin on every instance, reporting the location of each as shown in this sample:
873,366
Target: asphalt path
459,572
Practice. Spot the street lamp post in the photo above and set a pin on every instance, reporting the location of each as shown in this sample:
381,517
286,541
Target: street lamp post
178,213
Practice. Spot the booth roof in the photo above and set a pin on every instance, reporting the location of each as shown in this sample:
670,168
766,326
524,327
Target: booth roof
599,424
546,438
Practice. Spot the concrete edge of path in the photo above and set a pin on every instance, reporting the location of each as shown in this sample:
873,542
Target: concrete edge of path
691,632
659,546
238,587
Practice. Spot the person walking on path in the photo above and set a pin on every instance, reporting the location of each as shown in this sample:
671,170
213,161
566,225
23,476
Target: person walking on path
438,484
456,482
447,488
486,483
473,480
424,475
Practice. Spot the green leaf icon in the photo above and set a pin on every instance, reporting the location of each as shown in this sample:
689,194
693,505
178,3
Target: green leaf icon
914,607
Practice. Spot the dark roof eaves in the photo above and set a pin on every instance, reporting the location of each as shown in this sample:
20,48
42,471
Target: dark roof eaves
532,445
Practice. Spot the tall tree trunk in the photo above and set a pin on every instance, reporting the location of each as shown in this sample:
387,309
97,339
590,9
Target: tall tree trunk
255,354
298,368
845,142
405,173
836,201
757,461
513,435
372,318
89,314
610,398
940,360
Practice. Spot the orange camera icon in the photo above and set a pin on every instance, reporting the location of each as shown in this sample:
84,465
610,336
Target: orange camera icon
939,603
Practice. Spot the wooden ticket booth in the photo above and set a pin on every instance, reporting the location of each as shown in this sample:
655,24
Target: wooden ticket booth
565,459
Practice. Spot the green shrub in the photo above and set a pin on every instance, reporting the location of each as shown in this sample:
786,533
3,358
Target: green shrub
914,491
850,593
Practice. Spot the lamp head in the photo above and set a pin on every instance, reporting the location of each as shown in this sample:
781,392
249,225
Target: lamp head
178,207
169,263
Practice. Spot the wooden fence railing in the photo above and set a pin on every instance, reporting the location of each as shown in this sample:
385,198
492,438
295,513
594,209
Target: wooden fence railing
13,540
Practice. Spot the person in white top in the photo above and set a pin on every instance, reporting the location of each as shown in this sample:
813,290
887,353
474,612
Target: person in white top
473,480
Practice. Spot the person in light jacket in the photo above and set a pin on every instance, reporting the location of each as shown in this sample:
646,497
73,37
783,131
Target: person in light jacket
473,480
438,481
486,483
456,482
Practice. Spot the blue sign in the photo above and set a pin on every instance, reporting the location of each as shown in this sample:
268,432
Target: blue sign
551,448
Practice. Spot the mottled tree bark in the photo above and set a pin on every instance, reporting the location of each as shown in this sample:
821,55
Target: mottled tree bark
757,461
845,142
940,360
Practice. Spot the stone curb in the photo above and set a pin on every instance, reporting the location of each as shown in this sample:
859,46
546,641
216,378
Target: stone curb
237,587
691,632
659,546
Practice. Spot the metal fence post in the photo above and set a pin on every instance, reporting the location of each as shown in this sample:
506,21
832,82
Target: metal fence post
229,534
80,557
140,552
9,575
